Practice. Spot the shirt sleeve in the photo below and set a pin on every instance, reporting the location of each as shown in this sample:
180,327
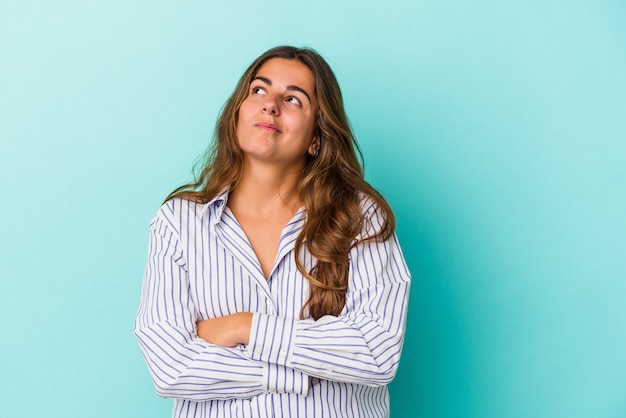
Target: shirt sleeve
181,364
364,343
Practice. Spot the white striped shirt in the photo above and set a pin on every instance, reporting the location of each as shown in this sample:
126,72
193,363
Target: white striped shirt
201,265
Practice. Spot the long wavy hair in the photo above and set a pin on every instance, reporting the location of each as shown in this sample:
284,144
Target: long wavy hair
330,185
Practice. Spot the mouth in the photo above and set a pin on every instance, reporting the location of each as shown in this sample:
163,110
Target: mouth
267,126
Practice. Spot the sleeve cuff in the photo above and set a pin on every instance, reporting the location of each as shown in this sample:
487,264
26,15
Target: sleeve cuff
272,338
271,342
281,379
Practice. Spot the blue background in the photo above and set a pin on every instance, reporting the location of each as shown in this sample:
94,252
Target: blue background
496,129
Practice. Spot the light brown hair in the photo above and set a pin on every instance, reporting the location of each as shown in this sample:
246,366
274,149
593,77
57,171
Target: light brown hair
330,185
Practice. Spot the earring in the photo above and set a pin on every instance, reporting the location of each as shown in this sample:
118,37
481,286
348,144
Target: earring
315,154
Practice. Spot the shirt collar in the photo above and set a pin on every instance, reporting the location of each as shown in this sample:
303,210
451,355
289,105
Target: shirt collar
218,203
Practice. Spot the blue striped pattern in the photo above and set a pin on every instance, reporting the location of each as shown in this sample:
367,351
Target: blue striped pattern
200,265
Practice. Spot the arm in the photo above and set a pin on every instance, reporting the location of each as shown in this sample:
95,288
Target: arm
363,344
183,365
226,331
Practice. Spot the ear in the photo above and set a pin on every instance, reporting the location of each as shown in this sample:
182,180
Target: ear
315,145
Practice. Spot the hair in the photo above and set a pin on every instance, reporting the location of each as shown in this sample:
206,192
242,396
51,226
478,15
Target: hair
330,187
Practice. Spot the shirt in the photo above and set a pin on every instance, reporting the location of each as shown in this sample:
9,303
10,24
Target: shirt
201,265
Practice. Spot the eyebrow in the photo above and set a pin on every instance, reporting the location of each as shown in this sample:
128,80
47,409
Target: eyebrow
290,87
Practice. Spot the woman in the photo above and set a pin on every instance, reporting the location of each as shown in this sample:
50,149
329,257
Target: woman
275,285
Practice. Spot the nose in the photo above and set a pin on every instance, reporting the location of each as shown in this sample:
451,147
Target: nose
270,106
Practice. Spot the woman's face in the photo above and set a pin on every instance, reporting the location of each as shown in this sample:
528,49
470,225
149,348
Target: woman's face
276,122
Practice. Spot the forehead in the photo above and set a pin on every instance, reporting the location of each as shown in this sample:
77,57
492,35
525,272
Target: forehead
288,72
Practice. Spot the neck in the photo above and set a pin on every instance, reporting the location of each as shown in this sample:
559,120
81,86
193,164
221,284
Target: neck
264,189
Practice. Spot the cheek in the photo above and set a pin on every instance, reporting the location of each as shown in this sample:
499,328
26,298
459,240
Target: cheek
244,109
310,126
244,115
304,123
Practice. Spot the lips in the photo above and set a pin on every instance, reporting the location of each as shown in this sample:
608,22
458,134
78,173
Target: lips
267,126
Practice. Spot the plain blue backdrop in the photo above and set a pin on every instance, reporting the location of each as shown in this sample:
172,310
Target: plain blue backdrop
496,129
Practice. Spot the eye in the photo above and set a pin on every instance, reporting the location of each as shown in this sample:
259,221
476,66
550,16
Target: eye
257,90
293,100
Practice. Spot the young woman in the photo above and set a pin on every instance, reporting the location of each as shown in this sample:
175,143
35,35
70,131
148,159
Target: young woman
275,285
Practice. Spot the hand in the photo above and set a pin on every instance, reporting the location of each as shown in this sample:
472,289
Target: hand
226,331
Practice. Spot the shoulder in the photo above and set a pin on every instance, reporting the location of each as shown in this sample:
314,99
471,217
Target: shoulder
375,216
368,204
182,214
178,214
